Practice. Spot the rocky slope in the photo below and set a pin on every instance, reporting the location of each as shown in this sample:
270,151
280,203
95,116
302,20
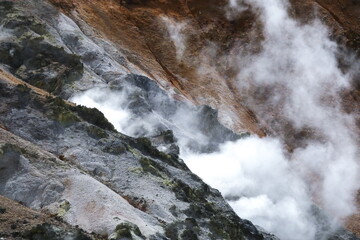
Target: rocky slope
86,173
141,28
70,161
19,222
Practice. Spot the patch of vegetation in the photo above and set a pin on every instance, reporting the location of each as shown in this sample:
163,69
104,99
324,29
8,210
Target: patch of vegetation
172,231
48,232
185,193
68,114
93,116
226,228
221,226
201,210
32,52
189,234
152,167
65,117
59,111
145,147
96,132
183,230
135,152
125,231
114,147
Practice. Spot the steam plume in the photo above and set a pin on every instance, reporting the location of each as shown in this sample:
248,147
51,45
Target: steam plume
297,72
176,34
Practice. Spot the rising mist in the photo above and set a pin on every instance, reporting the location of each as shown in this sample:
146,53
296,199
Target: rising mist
282,191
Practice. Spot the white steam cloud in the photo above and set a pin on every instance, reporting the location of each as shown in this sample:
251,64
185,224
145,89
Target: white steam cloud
111,104
273,189
302,61
114,104
262,181
234,8
259,183
176,31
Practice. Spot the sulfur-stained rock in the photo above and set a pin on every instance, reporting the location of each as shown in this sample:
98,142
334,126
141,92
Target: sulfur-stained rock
31,54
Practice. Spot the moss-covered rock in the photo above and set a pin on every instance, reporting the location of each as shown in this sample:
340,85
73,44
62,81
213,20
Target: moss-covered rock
49,232
189,234
187,229
189,194
114,147
200,210
30,54
60,112
152,167
125,231
68,114
93,116
226,228
46,66
145,146
65,117
172,231
96,132
220,225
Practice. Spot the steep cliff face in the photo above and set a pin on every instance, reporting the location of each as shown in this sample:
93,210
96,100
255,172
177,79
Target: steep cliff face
210,38
161,60
84,172
140,30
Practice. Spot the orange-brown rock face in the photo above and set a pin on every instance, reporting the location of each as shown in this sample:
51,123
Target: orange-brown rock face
198,66
140,30
203,73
